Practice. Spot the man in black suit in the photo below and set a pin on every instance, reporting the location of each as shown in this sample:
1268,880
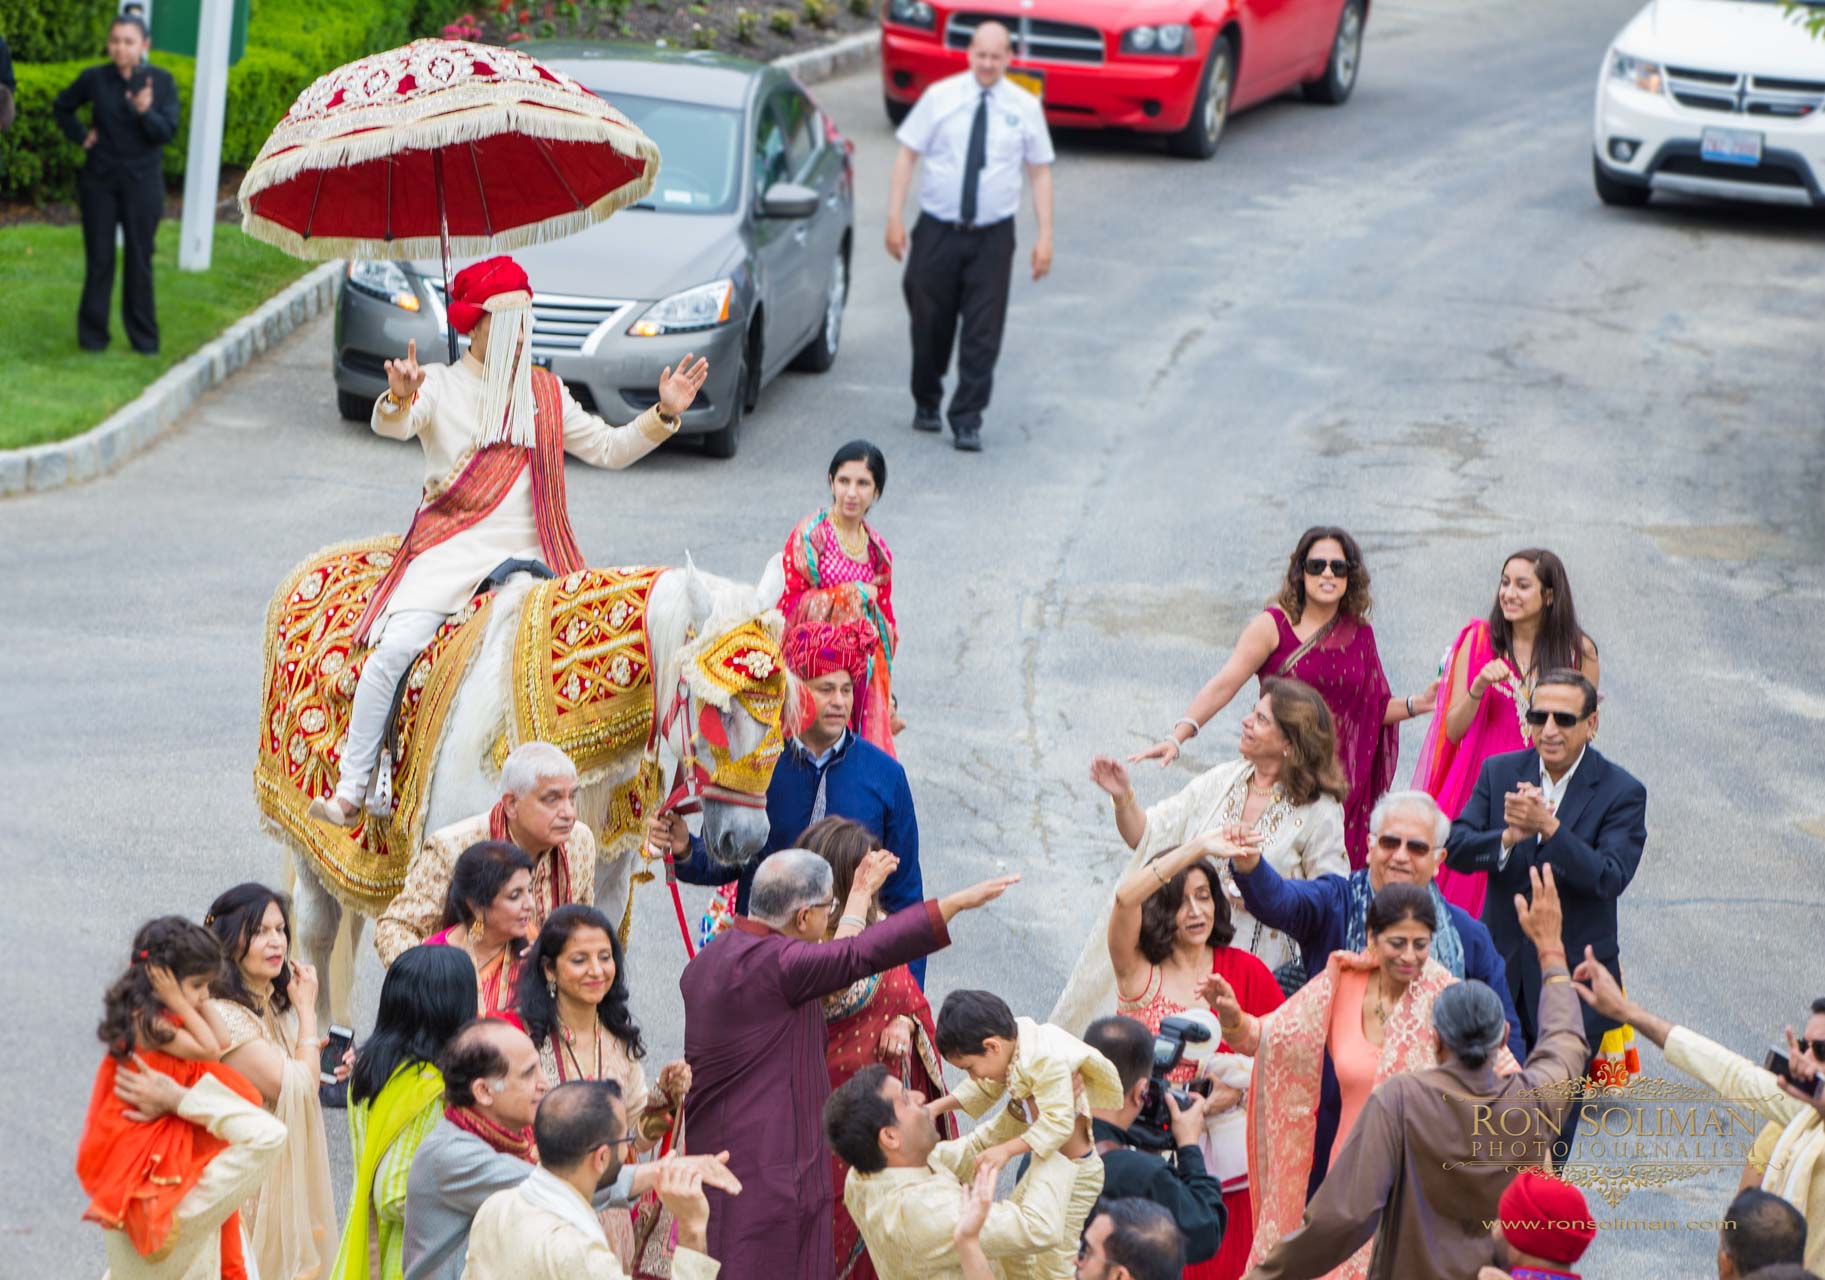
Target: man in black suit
1560,803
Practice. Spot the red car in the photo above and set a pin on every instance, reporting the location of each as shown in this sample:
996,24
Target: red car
1177,67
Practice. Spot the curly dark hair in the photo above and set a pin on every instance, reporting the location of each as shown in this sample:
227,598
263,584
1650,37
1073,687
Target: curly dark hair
130,1010
538,1004
480,873
1312,768
1356,602
1159,914
234,918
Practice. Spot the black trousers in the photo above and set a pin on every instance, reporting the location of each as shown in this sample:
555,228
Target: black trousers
953,275
132,201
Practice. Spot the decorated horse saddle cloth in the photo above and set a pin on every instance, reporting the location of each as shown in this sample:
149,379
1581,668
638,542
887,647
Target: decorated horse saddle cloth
580,677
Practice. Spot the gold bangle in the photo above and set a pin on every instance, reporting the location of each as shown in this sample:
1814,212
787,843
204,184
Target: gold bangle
1557,977
1155,868
1122,801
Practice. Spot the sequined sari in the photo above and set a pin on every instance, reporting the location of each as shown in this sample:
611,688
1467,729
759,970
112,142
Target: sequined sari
823,584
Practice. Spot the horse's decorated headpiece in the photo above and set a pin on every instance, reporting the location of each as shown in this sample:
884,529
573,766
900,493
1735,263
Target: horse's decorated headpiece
742,667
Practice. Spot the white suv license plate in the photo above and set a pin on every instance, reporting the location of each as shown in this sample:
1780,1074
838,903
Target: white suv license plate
1732,146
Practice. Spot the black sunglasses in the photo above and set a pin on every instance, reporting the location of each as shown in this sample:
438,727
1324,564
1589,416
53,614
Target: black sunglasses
1817,1048
1564,719
1418,848
1338,568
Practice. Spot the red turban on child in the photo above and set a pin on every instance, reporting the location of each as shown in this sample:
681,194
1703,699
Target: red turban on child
814,649
1546,1218
479,282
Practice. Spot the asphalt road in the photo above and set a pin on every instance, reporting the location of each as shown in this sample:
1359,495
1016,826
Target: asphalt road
1408,316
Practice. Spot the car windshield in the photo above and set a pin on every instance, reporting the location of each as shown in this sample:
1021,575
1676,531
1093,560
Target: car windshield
698,146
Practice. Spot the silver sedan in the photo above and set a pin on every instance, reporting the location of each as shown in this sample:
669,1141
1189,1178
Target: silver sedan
740,253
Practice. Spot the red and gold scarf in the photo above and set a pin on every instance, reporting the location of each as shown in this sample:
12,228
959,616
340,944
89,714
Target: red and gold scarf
550,870
509,1142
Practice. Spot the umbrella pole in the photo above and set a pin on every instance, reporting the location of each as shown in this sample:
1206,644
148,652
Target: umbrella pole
443,237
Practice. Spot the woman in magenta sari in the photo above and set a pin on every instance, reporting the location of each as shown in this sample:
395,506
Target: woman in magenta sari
839,570
1317,631
883,1018
1532,628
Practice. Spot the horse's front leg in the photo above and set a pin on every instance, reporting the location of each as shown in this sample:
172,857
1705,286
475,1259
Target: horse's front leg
318,919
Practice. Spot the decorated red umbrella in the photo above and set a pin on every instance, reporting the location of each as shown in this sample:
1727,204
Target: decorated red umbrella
442,147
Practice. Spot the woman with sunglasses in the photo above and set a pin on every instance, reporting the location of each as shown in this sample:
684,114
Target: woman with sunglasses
1317,630
1490,676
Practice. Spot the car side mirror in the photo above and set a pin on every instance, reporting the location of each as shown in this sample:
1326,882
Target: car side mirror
788,200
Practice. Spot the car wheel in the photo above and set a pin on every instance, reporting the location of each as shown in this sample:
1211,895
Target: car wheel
353,407
1339,78
820,353
896,111
1615,192
726,441
1210,109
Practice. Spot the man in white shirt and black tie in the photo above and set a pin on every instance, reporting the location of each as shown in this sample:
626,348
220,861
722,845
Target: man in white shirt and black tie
976,133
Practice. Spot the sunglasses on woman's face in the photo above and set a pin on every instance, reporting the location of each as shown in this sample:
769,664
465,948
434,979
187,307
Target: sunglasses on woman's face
1316,567
1418,848
1564,719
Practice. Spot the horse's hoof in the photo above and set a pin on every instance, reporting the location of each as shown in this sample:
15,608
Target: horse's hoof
334,814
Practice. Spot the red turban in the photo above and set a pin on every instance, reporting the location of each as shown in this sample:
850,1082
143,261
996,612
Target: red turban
814,649
1546,1218
479,282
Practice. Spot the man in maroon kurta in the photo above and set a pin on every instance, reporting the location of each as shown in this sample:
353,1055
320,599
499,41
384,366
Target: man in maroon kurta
754,1036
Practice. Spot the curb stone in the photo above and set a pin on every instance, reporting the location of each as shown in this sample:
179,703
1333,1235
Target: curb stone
142,421
137,425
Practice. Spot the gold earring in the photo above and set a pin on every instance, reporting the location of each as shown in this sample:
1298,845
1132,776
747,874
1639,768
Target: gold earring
475,933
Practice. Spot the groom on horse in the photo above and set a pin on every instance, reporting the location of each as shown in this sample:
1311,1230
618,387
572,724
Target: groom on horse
495,431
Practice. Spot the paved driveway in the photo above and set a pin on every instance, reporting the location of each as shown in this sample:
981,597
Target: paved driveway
1408,316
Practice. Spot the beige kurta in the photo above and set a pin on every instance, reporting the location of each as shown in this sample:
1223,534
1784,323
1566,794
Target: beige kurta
907,1216
1302,842
1044,1093
417,911
515,1238
291,1220
445,420
194,1251
1796,1160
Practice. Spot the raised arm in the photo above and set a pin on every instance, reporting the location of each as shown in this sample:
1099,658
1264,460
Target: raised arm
1111,775
602,444
159,121
1124,935
1253,648
1297,908
812,970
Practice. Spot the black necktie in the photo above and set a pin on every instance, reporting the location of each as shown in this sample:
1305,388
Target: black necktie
974,158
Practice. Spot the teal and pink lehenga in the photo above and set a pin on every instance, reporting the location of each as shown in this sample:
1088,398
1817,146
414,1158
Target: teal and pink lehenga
823,584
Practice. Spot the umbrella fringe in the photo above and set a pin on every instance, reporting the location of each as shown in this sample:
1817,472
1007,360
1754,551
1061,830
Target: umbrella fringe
324,248
468,124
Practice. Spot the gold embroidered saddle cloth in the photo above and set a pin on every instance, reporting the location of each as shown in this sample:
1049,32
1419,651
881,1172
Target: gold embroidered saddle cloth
581,678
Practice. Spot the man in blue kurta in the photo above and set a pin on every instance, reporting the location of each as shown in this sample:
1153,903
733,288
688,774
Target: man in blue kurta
754,1036
826,770
1406,844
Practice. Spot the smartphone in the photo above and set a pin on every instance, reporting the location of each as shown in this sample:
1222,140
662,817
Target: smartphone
340,1040
138,79
1777,1065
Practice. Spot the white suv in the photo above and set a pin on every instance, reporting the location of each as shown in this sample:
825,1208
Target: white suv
1722,98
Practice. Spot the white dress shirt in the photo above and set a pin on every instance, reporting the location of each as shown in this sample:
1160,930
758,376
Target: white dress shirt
1554,793
938,128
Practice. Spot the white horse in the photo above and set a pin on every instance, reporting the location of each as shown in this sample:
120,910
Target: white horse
684,603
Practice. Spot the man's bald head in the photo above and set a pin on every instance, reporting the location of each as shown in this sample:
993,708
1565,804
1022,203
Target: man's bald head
991,48
576,1119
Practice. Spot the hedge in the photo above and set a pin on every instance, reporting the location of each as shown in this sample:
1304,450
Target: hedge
289,44
54,30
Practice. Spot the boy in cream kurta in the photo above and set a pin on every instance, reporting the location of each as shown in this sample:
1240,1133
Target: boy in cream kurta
1051,1081
477,513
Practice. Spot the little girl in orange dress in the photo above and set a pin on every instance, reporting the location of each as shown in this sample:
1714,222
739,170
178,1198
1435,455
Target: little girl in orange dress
136,1172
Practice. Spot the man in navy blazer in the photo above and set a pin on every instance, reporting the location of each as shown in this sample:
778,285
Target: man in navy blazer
1562,803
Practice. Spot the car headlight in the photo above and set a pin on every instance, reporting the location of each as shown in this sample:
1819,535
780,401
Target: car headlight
1171,39
911,13
1641,73
704,307
383,280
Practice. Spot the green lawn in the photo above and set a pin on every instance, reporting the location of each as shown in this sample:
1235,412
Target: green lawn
55,389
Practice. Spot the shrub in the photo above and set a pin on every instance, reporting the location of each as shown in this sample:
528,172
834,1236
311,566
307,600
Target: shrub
782,21
747,22
38,31
862,8
702,37
819,13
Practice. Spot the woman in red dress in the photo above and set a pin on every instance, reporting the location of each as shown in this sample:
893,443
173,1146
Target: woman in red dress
883,1018
1169,933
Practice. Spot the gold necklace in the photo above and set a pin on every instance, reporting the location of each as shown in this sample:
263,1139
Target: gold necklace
858,554
570,1038
1381,1010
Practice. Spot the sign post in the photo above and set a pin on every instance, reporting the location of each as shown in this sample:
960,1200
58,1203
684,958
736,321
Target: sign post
208,107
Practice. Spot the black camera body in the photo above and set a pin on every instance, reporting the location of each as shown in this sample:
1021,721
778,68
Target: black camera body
1152,1128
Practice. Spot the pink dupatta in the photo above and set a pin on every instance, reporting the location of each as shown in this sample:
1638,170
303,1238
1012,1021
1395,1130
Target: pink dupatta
1447,770
1288,1078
